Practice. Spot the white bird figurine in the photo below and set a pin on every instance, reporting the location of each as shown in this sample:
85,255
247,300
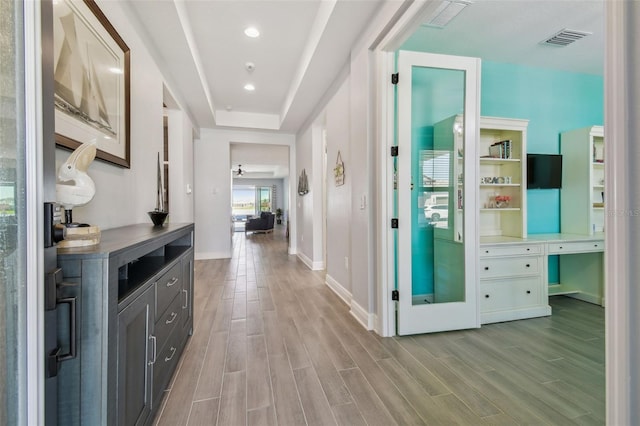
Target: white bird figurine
75,187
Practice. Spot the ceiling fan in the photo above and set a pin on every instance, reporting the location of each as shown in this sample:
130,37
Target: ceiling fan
239,172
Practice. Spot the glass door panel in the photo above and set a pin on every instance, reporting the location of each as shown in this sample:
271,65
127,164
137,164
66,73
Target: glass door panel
437,95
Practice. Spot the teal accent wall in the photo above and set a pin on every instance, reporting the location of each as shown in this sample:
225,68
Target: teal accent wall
553,102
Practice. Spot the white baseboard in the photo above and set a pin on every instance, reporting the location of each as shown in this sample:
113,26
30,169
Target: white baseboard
314,266
293,250
212,255
366,319
338,289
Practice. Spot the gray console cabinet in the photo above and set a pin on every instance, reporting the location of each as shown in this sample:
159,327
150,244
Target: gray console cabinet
134,305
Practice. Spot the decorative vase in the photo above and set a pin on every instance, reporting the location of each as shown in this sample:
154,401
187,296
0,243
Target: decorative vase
159,215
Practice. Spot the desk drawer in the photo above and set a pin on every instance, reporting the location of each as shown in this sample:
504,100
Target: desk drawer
510,266
576,247
167,286
510,294
510,250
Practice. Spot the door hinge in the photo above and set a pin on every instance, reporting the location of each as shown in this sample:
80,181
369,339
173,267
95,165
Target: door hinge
394,151
394,78
395,295
394,223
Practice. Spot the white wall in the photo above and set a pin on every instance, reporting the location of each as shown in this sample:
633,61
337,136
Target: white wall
362,205
181,203
124,196
304,203
339,197
213,182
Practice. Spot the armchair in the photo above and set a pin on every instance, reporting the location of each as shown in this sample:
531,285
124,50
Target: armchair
264,223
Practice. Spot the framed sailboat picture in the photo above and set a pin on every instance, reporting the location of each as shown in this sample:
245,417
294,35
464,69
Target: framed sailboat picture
91,67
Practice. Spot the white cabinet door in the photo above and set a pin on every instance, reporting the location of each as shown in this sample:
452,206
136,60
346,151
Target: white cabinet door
437,278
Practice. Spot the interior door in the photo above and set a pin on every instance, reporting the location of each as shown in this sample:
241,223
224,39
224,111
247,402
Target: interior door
437,119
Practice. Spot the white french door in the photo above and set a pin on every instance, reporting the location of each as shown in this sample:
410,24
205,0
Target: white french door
437,122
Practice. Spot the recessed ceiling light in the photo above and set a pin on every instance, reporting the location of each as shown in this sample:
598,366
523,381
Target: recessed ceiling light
252,32
249,87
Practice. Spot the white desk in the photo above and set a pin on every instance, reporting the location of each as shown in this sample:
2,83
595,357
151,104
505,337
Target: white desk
514,273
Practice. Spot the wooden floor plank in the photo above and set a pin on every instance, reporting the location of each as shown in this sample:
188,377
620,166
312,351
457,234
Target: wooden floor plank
204,412
314,402
233,407
273,345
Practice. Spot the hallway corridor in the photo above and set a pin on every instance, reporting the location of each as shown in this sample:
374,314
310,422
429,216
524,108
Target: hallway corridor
273,345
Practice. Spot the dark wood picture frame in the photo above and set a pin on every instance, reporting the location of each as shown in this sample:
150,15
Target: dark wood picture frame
84,109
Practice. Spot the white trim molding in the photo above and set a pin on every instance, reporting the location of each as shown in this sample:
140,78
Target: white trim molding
338,289
366,319
317,265
621,221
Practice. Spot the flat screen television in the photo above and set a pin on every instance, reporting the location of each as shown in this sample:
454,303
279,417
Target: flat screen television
544,171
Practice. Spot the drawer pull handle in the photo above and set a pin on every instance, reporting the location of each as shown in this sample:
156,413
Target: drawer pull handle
173,318
528,265
486,268
172,282
186,299
155,349
486,296
560,247
169,358
486,251
595,245
528,291
528,249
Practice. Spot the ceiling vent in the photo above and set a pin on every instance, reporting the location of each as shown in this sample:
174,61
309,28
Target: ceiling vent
447,10
565,37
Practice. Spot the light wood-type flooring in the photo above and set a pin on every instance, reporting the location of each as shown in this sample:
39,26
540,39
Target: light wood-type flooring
273,345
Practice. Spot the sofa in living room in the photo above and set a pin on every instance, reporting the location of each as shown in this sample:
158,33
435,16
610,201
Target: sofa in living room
263,224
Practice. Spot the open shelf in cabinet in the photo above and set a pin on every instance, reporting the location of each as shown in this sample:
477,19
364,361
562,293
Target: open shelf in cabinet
139,271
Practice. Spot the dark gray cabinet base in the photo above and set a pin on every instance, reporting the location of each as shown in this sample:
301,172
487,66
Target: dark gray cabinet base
134,304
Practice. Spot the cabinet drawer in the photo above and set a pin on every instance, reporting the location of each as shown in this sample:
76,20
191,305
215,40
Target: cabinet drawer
510,266
576,247
166,362
510,250
167,286
514,293
167,321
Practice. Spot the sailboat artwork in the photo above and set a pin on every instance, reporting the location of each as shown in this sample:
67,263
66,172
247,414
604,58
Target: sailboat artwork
88,103
91,93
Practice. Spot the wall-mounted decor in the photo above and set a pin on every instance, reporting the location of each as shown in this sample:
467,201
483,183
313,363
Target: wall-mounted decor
303,183
338,170
91,81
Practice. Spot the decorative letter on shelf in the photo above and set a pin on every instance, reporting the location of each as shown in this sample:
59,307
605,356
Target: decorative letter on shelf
338,171
303,184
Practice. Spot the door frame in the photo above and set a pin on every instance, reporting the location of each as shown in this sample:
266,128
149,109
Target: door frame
36,165
617,330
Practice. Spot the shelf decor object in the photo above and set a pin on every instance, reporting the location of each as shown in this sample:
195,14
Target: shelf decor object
338,170
76,188
91,81
159,215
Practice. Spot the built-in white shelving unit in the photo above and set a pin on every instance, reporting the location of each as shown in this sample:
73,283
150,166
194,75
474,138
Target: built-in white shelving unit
582,197
502,188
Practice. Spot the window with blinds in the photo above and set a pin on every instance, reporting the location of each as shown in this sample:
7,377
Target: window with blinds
435,168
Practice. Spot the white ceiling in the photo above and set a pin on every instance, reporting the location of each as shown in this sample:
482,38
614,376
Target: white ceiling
201,47
305,44
260,161
511,31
